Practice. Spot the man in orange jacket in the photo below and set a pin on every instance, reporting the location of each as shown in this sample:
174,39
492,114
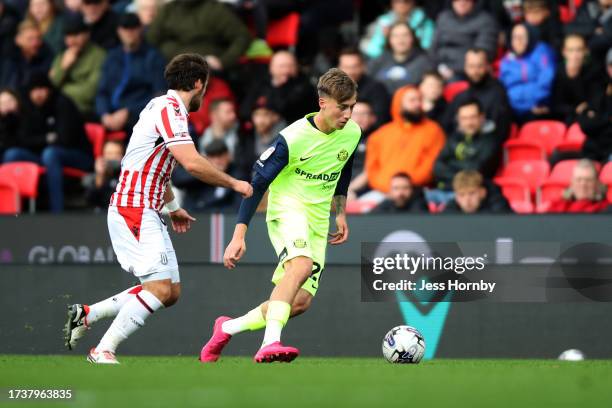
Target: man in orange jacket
410,143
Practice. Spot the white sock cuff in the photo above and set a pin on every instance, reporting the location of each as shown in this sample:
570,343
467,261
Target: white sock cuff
149,301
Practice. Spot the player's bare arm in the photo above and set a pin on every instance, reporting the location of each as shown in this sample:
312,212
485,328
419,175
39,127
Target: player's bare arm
180,218
342,232
236,248
199,167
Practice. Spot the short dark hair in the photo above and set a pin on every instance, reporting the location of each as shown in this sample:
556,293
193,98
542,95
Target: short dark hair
336,84
478,50
403,175
468,102
215,103
184,71
351,51
434,74
216,147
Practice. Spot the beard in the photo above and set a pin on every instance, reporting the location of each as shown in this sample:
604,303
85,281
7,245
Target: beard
413,117
196,102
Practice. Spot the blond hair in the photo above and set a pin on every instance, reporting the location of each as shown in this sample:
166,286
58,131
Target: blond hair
336,84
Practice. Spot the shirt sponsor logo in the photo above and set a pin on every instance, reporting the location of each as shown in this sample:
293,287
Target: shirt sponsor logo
311,176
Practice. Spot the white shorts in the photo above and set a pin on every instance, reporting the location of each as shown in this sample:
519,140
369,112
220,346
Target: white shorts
141,242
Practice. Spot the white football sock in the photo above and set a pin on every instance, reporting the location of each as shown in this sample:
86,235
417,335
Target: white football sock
253,320
111,306
273,332
276,318
131,317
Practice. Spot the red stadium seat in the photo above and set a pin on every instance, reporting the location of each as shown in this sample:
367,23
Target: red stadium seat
283,33
517,149
533,172
517,192
117,136
574,139
454,88
10,201
548,193
25,175
514,131
96,135
548,132
605,176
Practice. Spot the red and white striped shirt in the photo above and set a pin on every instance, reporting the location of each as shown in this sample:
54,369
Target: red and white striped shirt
147,165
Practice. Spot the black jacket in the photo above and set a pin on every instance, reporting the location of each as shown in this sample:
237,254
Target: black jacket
15,70
104,31
9,126
416,204
375,93
568,92
57,122
596,123
494,203
200,197
460,153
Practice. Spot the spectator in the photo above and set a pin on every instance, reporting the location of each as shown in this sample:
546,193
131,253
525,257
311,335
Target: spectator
146,10
472,146
216,89
285,87
594,22
255,11
527,72
403,63
223,125
404,11
474,196
72,7
351,61
201,197
463,26
432,89
77,70
45,15
487,89
257,135
410,143
102,22
403,197
100,185
10,119
576,80
364,116
8,27
584,195
53,135
205,27
26,57
132,75
595,120
538,14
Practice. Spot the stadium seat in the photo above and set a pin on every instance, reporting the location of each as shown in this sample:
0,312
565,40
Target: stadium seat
25,175
117,136
517,149
283,33
548,132
549,192
574,139
517,192
96,135
454,88
10,201
514,131
533,172
605,176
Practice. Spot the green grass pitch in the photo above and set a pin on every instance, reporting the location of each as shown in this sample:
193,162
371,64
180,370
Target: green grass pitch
310,382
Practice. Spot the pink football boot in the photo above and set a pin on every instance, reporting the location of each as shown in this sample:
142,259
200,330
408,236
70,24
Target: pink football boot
212,350
276,352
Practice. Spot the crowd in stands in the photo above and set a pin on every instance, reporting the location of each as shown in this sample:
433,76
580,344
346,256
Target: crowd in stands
465,106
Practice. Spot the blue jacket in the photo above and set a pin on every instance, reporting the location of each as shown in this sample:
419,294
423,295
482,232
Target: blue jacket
528,79
142,81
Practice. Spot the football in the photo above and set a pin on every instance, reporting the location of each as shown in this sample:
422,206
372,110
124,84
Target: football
403,345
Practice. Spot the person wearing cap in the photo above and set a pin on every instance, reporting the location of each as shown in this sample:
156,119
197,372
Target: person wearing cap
102,22
257,135
199,197
27,55
53,136
132,74
76,71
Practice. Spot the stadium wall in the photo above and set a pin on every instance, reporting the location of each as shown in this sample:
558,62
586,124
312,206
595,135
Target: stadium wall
49,262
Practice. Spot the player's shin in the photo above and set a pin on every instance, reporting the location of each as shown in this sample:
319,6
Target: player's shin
131,317
110,307
276,318
253,320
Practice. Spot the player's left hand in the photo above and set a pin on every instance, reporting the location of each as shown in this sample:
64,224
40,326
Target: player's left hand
181,220
341,235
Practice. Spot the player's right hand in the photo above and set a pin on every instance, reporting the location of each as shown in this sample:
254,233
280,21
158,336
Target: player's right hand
234,251
244,188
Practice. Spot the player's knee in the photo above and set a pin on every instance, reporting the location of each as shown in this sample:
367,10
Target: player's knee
161,290
301,268
175,294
